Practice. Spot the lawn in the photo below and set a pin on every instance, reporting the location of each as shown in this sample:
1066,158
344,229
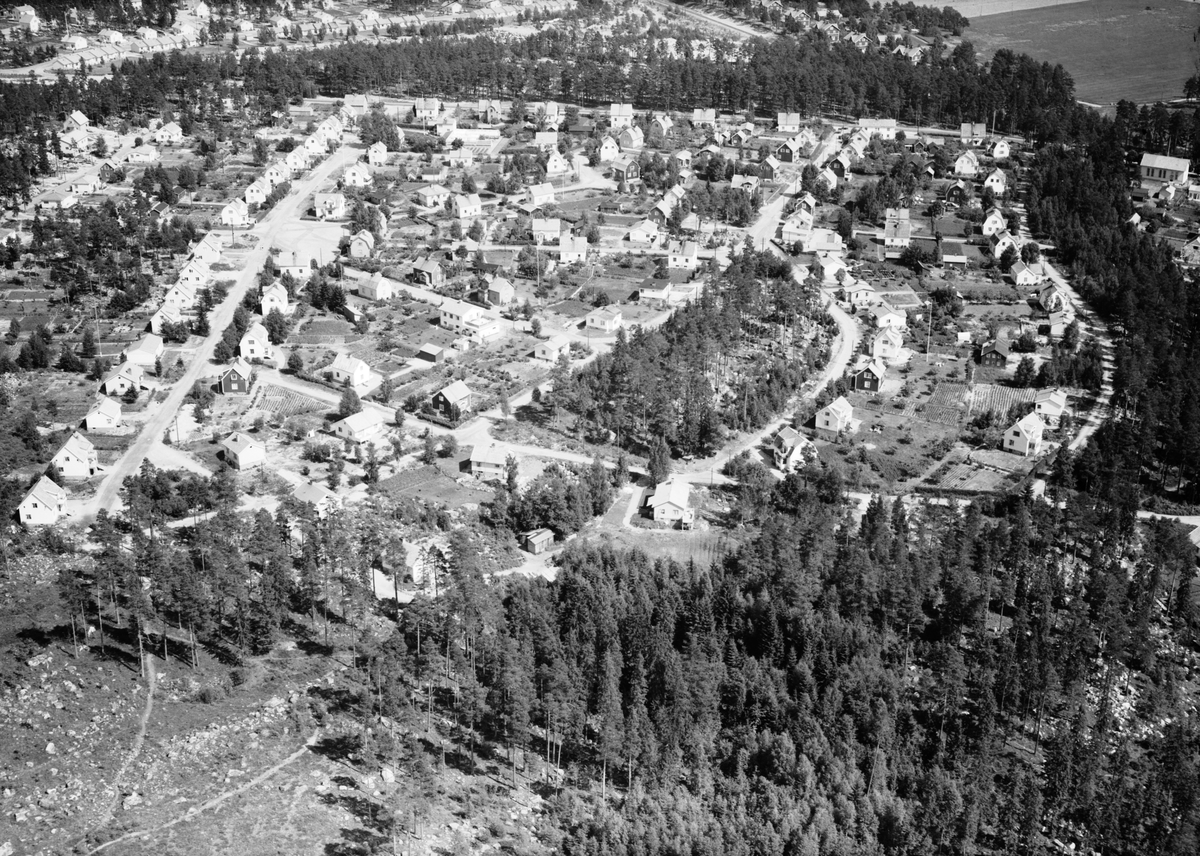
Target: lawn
1114,49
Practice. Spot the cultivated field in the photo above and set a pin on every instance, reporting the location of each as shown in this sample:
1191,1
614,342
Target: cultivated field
1114,49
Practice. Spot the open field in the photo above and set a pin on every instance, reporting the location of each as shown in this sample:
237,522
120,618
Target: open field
1114,49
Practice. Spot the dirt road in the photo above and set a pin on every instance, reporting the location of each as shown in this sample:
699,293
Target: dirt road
286,211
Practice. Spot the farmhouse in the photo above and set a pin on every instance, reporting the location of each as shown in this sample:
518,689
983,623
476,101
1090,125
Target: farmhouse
487,462
792,450
243,453
366,426
77,458
835,418
457,398
43,504
349,371
105,415
668,503
235,379
1025,437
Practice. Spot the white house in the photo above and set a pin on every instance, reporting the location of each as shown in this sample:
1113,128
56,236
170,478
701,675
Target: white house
123,378
541,195
620,115
792,450
668,503
609,151
631,138
572,249
242,452
682,255
1025,437
377,288
606,319
349,371
546,230
967,164
835,418
1050,405
994,223
168,313
997,181
329,205
169,134
470,321
105,415
553,348
882,128
236,214
356,175
77,458
887,344
1001,242
644,232
885,316
144,153
193,274
500,292
256,344
86,184
433,196
1161,168
43,504
208,250
146,352
377,154
257,192
468,206
365,426
362,245
556,164
1001,149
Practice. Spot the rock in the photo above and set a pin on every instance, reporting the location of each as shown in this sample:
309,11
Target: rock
39,660
387,775
6,849
51,749
134,799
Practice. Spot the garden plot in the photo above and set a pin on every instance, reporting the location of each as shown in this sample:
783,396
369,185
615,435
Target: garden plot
281,403
984,397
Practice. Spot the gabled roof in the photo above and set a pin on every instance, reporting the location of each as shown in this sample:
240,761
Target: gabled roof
314,494
106,407
488,455
1000,346
47,492
456,392
238,443
1031,425
77,445
363,420
347,364
239,367
670,493
841,408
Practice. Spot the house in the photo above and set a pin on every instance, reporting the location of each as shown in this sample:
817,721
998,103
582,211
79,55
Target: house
821,241
887,344
994,354
257,192
256,344
897,229
123,378
966,165
704,117
768,168
997,181
789,150
796,228
428,272
882,128
662,123
747,183
362,245
500,292
1001,242
835,418
487,462
357,175
144,153
365,426
329,205
431,353
541,195
553,348
349,371
208,250
546,141
1053,299
75,139
316,146
791,450
291,262
886,316
110,37
868,377
237,378
378,288
296,160
168,313
546,230
572,249
682,255
276,174
1161,168
468,207
61,201
1001,149
682,159
146,352
972,133
169,134
606,319
469,320
105,415
608,151
631,138
456,399
321,498
74,42
236,214
1050,405
1025,437
952,253
77,458
829,177
620,115
668,503
994,223
627,173
828,268
426,110
787,123
243,453
556,164
86,184
433,196
538,541
275,297
43,504
1024,275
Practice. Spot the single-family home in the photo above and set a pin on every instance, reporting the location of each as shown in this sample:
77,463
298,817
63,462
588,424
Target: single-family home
169,134
1052,298
897,229
994,354
1161,168
208,250
362,245
796,228
887,343
791,450
236,214
455,399
168,313
556,164
868,376
662,123
952,253
835,418
994,223
1025,437
620,115
668,503
1050,405
553,348
426,110
997,181
257,192
1001,149
487,462
631,138
829,178
146,352
541,195
77,459
316,146
365,426
682,159
608,151
1002,241
546,230
236,379
43,505
296,160
321,498
86,184
74,42
627,173
105,415
1024,276
704,117
276,174
256,344
883,128
428,272
682,255
972,133
433,196
357,175
243,452
606,319
966,165
275,297
500,292
120,380
329,205
884,315
468,206
789,151
378,288
857,293
537,541
349,371
110,37
787,123
572,249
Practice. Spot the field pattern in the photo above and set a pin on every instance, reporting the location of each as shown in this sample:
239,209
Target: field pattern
1114,49
282,403
998,399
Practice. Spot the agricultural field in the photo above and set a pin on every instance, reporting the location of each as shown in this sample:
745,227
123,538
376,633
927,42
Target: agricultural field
1114,49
